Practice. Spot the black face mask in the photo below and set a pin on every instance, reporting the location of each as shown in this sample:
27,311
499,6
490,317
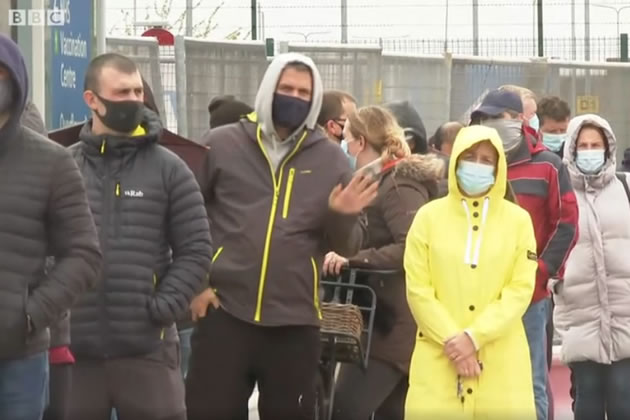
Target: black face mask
289,112
121,116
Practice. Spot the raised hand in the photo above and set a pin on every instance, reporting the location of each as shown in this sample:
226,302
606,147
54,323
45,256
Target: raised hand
357,195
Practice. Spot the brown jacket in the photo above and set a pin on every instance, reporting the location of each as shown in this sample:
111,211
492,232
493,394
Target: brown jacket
406,187
271,233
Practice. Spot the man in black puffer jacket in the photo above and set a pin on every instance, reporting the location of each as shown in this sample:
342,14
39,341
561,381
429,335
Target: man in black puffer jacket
43,211
156,246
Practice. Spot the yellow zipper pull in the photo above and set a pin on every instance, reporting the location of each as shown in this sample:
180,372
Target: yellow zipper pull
118,189
103,146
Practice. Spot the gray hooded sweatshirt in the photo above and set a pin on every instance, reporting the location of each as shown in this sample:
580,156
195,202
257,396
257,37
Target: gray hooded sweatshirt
267,201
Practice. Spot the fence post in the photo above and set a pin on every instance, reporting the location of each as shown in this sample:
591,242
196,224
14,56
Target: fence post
448,67
182,90
623,53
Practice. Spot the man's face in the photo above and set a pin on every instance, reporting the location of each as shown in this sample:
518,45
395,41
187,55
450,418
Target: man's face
529,108
552,126
115,85
298,84
4,73
334,128
447,149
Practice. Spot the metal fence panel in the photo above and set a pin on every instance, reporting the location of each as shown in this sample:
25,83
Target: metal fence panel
219,68
472,76
354,69
146,54
423,81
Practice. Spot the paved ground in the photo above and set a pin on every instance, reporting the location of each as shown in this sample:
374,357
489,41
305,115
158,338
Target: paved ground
560,384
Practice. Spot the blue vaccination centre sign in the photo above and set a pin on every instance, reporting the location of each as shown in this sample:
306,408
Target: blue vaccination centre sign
71,54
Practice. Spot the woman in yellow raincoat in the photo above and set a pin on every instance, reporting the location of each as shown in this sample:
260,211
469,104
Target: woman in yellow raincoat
471,262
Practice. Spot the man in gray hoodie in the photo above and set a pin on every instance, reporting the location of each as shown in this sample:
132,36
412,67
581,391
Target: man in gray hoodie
277,203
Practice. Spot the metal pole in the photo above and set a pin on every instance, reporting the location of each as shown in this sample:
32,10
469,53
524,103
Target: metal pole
587,30
101,35
254,18
618,31
475,27
446,29
182,88
189,18
135,17
534,45
573,37
344,21
541,39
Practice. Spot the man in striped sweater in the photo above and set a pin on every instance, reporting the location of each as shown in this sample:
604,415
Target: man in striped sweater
542,187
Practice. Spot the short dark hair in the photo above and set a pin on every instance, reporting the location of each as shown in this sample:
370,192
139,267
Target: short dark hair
117,61
554,108
332,105
446,133
298,66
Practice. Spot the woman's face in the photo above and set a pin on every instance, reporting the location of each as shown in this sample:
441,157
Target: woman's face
357,147
483,153
476,169
590,138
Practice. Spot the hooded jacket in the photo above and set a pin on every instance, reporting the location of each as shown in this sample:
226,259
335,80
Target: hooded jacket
542,187
480,281
155,240
43,211
409,119
270,219
406,185
592,312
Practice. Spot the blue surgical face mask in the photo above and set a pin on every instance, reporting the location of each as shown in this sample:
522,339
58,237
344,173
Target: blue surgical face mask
475,178
590,161
554,142
534,122
351,159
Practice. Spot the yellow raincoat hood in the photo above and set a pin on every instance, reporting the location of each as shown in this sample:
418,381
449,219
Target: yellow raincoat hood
467,138
470,266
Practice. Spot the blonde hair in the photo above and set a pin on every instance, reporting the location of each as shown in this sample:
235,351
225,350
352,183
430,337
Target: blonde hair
523,92
380,130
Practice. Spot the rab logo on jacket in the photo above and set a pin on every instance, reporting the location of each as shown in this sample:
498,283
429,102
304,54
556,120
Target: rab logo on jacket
133,193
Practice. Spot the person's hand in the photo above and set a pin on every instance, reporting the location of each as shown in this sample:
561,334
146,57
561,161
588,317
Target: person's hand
357,195
468,367
199,305
459,347
333,264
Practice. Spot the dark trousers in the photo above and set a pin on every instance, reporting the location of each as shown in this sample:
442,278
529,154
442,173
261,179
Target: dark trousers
229,356
602,391
148,387
60,392
382,390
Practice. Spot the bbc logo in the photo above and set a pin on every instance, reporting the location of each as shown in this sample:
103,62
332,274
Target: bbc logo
36,17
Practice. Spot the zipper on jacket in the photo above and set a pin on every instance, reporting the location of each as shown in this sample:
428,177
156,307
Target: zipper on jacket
106,220
216,254
277,182
103,146
287,193
155,283
316,288
117,202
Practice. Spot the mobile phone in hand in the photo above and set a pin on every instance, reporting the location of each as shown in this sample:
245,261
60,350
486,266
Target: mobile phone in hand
372,170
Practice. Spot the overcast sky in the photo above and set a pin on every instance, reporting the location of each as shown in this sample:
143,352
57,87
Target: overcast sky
413,19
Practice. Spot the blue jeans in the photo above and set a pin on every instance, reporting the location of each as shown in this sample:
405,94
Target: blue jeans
602,391
184,346
24,387
535,323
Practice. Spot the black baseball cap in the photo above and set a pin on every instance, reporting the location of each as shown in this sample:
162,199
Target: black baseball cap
497,102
